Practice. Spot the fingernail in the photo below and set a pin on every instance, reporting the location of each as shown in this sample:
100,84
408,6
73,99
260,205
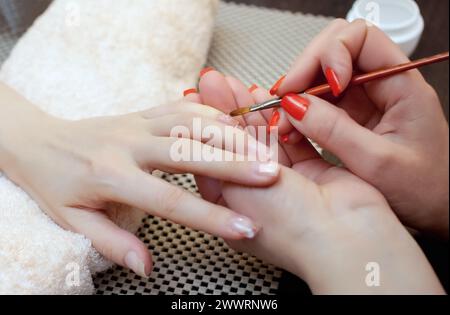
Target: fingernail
285,138
269,168
253,88
274,120
333,81
243,226
134,263
295,105
263,152
274,89
189,91
227,119
205,71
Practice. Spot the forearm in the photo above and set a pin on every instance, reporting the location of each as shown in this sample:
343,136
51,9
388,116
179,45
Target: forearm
380,261
17,117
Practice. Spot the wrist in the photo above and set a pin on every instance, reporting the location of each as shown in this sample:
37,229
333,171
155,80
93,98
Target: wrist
347,257
20,123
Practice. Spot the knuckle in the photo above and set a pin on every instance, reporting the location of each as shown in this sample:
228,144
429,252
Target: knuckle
169,201
106,173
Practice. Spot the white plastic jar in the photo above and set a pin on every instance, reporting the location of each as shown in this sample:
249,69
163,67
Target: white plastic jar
401,20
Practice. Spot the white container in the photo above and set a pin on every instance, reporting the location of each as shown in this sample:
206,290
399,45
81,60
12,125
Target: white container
401,20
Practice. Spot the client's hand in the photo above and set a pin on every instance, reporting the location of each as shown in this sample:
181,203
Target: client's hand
75,170
318,221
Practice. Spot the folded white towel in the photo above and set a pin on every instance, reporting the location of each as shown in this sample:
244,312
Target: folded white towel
83,59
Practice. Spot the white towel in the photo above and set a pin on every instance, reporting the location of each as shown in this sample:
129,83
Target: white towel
83,59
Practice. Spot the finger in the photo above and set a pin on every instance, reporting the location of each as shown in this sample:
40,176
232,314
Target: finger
179,107
380,52
114,243
162,199
244,98
186,156
291,154
309,63
210,189
335,131
358,105
192,96
220,133
216,92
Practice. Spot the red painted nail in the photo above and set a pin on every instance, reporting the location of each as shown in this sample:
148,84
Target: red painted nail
333,81
189,91
285,138
274,89
295,105
253,88
274,120
205,71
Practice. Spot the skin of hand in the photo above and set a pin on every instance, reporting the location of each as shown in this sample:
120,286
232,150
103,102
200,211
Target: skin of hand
79,171
392,133
318,221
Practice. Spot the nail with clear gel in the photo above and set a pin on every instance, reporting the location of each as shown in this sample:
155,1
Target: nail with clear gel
270,168
244,227
133,262
228,120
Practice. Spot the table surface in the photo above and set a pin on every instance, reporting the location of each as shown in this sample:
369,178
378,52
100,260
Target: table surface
435,39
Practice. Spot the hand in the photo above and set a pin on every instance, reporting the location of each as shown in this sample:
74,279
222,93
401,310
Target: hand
320,222
78,171
391,133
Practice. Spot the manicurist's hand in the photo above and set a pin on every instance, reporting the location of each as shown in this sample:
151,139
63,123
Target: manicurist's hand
76,170
391,133
318,221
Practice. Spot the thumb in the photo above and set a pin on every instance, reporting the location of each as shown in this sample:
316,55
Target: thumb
333,129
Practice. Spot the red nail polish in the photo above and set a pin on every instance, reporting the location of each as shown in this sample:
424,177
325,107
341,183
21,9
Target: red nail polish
189,91
274,120
285,138
253,88
274,89
205,71
333,81
295,105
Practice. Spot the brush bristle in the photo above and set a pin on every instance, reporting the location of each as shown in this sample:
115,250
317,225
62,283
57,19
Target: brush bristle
240,112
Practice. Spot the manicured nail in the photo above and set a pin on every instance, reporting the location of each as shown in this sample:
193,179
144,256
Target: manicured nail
244,227
253,88
333,81
269,168
274,89
134,263
205,71
227,119
274,120
262,152
285,138
295,105
189,91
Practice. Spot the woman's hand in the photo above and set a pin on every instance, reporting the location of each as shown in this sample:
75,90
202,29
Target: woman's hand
392,132
318,221
78,170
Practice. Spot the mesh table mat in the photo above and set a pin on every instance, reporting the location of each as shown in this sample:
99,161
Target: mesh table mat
255,45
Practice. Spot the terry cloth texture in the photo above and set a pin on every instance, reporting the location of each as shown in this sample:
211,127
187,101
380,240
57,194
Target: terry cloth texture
84,59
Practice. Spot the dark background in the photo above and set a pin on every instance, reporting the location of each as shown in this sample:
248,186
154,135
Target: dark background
434,40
